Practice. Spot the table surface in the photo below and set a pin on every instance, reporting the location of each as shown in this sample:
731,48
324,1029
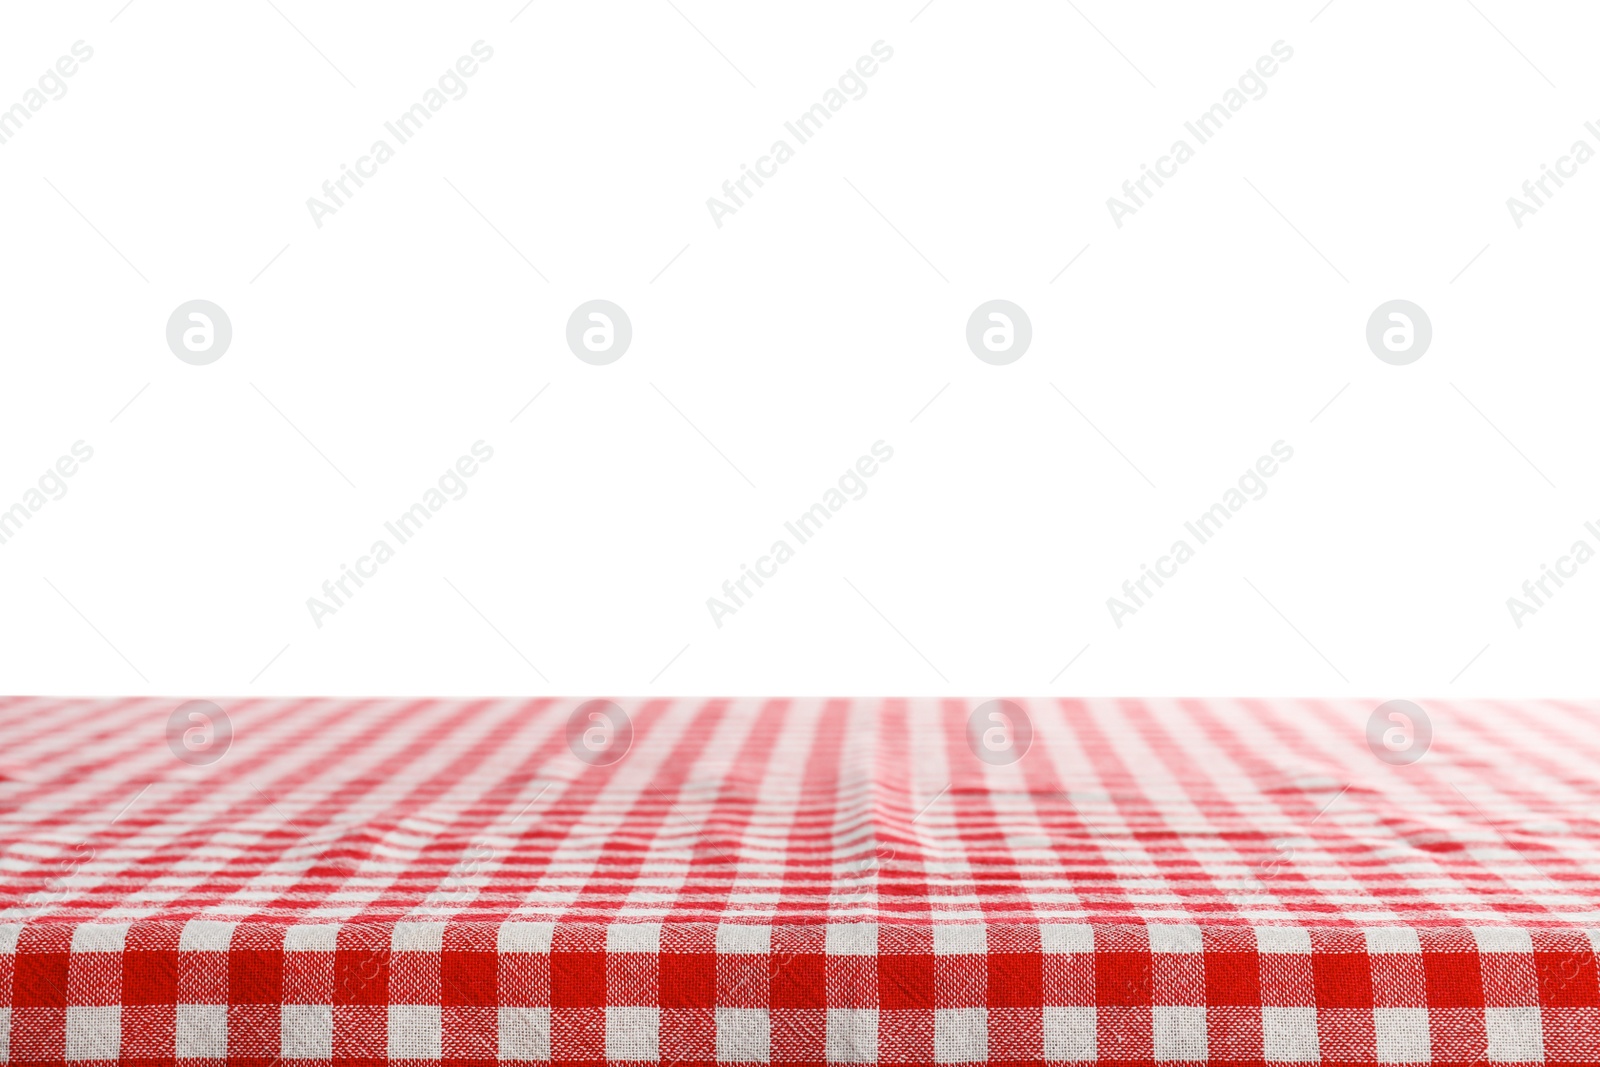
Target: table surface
850,880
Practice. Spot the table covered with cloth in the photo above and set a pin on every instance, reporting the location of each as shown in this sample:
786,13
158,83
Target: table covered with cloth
800,880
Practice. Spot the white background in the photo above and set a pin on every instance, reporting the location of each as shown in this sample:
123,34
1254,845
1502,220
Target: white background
805,329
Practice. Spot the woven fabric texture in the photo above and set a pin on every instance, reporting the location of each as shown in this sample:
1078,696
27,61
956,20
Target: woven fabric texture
798,881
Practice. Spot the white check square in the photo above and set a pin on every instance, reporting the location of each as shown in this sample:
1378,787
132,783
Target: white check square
415,1032
744,1035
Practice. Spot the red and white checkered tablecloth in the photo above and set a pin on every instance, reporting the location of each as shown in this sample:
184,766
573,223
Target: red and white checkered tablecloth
798,881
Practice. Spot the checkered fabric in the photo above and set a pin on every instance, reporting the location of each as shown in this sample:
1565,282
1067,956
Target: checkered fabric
799,881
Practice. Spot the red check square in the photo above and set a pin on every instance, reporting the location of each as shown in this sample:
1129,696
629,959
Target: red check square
1344,980
1122,979
1015,980
577,980
905,981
